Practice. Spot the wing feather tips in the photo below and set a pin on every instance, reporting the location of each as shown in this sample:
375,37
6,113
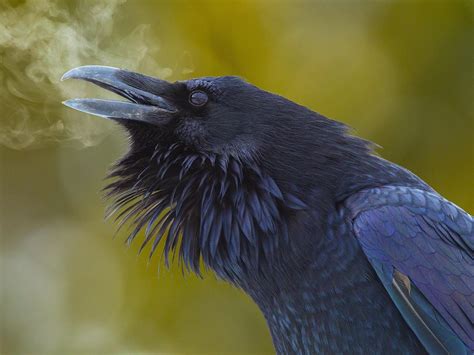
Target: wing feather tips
432,331
438,236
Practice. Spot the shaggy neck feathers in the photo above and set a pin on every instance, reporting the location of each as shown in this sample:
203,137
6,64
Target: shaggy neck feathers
218,209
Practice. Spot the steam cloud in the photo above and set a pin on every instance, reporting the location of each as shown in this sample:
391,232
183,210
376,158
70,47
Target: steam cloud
39,41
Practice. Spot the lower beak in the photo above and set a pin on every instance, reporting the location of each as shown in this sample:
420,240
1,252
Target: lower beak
146,95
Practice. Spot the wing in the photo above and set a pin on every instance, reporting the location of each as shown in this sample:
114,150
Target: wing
422,249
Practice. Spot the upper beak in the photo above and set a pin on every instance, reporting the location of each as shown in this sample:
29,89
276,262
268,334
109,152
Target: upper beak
145,94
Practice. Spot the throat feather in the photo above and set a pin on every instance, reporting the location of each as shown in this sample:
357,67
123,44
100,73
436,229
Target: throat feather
217,209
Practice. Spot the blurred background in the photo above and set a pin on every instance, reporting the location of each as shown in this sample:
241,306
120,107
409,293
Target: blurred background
399,72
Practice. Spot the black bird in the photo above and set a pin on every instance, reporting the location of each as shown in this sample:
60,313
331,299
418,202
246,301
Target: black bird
343,251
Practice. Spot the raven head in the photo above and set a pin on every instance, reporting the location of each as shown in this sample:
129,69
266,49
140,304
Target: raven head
212,165
212,115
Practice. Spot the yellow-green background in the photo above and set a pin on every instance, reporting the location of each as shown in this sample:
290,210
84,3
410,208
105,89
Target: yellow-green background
400,73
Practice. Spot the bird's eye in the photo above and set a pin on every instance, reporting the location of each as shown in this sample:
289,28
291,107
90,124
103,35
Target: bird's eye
198,98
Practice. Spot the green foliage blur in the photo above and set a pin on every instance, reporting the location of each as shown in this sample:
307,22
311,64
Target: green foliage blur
399,72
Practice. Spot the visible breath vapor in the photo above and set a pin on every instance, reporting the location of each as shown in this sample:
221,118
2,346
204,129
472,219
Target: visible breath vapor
42,39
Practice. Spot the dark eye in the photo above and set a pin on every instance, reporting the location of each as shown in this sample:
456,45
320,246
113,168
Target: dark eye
198,98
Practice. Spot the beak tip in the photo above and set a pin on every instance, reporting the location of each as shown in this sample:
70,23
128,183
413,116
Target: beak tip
69,74
67,103
86,71
72,73
75,104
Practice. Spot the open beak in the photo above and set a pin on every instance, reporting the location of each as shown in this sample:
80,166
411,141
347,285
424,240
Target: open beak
146,95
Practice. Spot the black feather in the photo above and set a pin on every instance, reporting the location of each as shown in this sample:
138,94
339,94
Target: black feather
200,209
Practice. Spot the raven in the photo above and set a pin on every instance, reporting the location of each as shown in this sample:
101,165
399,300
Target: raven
343,251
